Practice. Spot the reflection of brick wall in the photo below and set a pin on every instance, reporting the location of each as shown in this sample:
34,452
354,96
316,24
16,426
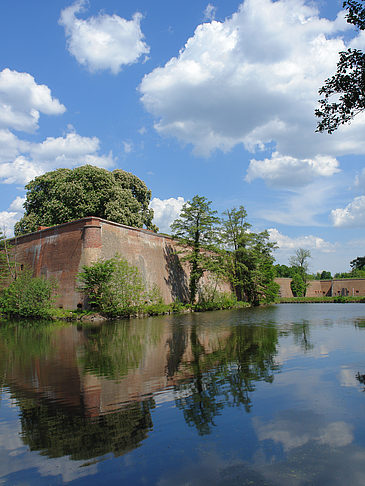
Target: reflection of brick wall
60,251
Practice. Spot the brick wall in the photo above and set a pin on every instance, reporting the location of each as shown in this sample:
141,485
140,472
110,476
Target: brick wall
285,289
60,252
320,288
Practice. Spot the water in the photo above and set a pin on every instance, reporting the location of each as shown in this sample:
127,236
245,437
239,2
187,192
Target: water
271,396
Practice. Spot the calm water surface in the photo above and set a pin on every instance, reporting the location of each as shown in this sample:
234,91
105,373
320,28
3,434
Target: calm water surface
270,396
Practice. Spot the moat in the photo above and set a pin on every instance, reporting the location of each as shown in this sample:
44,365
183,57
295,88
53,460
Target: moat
268,396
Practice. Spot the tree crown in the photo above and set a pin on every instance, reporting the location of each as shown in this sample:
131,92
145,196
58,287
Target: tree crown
67,194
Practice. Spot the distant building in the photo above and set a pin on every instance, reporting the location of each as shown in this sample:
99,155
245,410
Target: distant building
319,288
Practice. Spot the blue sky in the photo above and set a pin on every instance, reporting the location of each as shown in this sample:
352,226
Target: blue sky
215,99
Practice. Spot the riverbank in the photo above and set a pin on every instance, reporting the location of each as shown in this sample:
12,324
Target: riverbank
148,311
338,299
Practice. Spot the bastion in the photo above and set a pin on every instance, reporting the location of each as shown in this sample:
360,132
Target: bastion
60,252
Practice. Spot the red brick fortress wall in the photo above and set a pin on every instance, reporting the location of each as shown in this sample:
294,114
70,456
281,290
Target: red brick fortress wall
60,252
156,256
56,253
330,288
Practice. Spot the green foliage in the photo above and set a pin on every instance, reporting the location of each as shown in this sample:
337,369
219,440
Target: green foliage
195,229
249,260
323,299
357,269
95,281
358,263
4,271
8,265
298,285
299,265
209,298
27,296
324,275
283,271
67,194
126,291
222,300
116,288
348,84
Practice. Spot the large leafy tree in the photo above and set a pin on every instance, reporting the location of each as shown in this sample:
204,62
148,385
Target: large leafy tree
195,229
348,84
249,258
67,194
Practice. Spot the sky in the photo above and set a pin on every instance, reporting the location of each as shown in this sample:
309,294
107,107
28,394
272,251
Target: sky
215,99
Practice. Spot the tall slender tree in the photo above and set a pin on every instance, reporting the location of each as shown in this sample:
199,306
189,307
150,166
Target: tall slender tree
249,258
235,237
195,229
300,264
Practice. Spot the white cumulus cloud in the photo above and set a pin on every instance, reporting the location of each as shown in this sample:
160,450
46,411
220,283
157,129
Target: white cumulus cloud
7,222
353,215
286,171
36,158
253,79
17,204
209,12
104,41
11,216
22,100
20,171
166,211
294,429
309,242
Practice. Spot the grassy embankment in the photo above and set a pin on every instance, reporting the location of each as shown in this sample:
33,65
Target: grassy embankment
146,311
151,310
339,299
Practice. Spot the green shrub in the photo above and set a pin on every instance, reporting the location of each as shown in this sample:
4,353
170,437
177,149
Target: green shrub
27,296
95,280
298,285
116,288
211,299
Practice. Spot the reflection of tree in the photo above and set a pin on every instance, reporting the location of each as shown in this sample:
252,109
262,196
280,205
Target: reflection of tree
200,406
116,348
361,379
40,368
253,349
360,323
213,366
58,431
228,374
19,345
302,335
177,346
